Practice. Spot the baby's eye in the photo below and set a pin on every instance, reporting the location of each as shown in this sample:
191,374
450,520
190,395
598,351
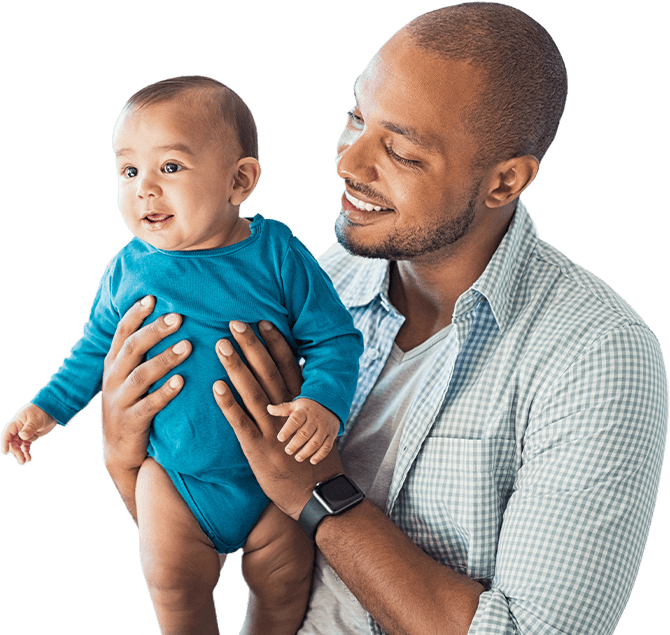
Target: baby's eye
171,168
130,172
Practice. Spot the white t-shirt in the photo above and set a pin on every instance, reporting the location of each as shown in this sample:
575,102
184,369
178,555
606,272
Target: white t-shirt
368,455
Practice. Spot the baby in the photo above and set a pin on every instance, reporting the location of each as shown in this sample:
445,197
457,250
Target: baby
187,153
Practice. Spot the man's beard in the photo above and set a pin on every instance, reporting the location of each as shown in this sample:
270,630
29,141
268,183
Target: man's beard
411,244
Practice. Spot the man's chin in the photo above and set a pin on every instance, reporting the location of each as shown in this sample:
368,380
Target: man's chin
344,230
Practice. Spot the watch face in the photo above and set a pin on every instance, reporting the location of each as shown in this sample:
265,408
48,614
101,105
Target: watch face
339,493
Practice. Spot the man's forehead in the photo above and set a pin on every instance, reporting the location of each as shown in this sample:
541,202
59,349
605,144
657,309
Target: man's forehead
415,93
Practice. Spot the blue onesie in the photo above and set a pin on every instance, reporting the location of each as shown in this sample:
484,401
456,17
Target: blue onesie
268,276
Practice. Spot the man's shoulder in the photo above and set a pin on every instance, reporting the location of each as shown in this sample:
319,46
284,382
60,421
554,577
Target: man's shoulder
577,292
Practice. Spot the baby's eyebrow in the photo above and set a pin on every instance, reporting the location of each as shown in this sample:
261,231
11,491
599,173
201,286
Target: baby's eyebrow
175,147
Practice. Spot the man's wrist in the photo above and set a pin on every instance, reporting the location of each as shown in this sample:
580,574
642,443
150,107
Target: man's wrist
331,497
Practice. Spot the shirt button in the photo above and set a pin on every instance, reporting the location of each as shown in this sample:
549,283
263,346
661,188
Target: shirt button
373,354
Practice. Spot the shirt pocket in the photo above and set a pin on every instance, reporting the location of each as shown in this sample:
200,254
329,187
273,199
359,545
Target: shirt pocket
454,498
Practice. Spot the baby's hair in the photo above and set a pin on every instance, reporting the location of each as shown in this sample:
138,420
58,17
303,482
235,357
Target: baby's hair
224,107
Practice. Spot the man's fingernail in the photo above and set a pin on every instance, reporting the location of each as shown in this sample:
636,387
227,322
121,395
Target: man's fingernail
264,325
174,383
220,388
170,319
179,348
146,300
226,347
240,327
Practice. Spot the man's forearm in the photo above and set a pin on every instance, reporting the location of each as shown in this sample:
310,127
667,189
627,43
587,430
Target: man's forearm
404,589
126,481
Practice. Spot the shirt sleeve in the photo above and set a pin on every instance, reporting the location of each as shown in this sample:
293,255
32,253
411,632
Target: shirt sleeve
79,378
323,330
575,526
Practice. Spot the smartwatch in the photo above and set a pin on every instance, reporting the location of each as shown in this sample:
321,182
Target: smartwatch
329,498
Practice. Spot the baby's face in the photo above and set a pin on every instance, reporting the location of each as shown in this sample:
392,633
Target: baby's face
175,178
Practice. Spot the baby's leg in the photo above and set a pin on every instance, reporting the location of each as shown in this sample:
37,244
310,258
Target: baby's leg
277,565
180,564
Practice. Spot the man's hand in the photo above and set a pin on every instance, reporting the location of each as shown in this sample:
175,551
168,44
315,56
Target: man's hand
271,377
127,409
28,424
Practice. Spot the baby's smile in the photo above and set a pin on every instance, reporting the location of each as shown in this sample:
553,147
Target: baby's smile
155,221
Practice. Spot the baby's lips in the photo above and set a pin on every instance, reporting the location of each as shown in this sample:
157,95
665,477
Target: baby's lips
157,217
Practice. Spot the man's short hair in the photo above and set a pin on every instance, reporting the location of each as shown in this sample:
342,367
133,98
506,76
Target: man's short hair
525,82
224,108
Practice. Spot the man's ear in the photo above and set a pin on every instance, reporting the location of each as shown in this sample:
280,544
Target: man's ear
247,173
508,179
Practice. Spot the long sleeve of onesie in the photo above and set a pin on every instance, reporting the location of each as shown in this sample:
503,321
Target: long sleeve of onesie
323,331
80,377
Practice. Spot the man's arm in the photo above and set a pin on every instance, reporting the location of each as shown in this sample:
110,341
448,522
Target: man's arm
405,590
573,531
127,409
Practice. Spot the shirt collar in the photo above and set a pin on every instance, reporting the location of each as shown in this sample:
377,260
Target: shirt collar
497,284
500,280
371,279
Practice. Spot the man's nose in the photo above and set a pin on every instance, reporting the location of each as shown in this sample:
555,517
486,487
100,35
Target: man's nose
356,158
147,187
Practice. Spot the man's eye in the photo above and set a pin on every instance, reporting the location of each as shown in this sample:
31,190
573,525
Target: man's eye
396,157
130,172
171,168
355,119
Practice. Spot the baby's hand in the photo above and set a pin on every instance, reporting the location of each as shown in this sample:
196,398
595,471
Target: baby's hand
29,424
313,427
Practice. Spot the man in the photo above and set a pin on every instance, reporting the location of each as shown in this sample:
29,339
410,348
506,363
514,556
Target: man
509,424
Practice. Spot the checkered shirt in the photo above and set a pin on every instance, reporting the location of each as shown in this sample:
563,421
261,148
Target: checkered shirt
530,458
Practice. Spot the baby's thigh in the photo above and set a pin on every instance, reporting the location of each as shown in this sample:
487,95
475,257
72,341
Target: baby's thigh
174,549
277,553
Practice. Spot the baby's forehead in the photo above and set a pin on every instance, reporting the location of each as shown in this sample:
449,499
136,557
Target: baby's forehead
193,121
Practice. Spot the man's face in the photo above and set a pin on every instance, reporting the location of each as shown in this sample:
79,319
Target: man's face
406,157
175,178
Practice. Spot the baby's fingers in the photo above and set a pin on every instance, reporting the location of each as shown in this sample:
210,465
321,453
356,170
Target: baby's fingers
322,452
11,441
293,423
19,449
281,409
313,448
303,435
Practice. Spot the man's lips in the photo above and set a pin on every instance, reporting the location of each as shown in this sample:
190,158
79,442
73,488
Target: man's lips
364,206
360,216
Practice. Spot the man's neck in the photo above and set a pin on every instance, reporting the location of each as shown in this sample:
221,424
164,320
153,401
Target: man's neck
425,290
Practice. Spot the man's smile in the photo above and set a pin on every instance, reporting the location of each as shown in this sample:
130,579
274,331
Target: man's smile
361,213
363,206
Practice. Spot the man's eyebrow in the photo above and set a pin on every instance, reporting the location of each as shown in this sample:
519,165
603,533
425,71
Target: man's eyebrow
412,136
175,147
428,144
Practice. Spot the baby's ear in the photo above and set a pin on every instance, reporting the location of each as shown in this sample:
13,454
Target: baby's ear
247,173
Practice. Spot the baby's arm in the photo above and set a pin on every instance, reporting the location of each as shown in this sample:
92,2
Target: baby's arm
312,426
28,424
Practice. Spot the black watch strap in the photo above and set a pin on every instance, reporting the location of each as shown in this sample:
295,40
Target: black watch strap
311,515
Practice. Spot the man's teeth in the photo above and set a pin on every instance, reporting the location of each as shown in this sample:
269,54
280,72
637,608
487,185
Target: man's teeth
364,207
